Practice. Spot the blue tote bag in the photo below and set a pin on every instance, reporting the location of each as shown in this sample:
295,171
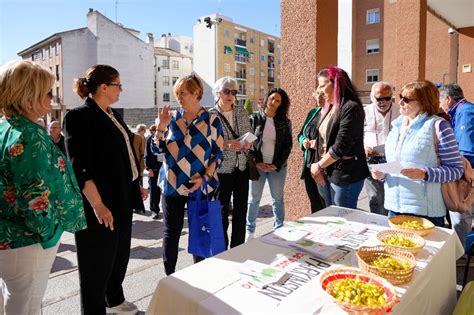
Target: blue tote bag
206,234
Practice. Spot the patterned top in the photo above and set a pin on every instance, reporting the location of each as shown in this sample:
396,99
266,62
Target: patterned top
41,197
189,150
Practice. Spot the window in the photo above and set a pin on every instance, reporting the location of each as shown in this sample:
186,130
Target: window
251,39
251,57
175,64
252,71
226,67
166,80
174,80
373,46
226,33
37,54
372,75
166,97
373,16
44,54
262,73
165,64
57,72
51,51
262,57
262,43
279,61
58,46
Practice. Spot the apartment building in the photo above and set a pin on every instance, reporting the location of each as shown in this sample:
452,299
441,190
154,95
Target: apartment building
366,43
179,43
68,54
222,47
169,67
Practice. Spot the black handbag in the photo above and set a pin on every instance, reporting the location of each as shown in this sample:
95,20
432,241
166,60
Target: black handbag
252,168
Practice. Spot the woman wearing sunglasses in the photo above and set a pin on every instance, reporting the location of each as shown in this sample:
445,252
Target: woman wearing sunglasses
40,196
233,174
342,166
272,127
425,146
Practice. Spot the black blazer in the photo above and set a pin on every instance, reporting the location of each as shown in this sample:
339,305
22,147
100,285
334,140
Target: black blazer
345,138
151,160
98,151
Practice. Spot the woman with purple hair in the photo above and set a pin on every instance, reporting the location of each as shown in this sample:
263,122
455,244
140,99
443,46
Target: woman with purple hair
342,166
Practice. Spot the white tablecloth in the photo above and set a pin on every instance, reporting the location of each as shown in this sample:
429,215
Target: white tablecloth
215,286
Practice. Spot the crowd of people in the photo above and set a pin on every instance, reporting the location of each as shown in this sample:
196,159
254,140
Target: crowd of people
88,178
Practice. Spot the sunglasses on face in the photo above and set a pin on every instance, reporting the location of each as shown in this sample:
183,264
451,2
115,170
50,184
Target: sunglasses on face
227,92
405,100
385,98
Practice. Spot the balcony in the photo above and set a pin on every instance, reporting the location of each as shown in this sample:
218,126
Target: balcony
56,99
271,50
240,75
271,79
241,58
271,65
242,92
240,42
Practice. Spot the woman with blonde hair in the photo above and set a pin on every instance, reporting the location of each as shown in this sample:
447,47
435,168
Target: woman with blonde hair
192,143
41,198
425,146
99,145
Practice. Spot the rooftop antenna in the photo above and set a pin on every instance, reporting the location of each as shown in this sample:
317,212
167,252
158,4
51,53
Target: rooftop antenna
116,7
218,6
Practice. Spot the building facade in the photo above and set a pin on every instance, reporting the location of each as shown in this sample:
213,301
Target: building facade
180,43
68,54
169,67
224,48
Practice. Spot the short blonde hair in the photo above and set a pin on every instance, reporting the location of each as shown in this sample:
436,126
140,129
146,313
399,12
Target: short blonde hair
190,83
23,85
426,93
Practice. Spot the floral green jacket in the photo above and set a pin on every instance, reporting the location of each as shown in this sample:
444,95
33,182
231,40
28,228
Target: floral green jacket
40,196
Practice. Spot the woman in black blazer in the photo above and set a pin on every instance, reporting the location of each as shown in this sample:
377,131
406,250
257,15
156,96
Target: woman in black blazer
342,167
99,145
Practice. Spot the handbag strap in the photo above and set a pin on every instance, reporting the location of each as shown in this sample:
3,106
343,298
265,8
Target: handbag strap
198,192
226,122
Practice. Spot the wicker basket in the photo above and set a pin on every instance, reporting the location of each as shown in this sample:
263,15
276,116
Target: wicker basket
399,219
366,254
415,238
329,276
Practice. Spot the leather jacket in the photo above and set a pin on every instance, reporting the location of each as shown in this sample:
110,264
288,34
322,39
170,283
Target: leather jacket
283,143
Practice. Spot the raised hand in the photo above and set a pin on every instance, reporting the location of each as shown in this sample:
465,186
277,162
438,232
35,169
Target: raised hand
164,117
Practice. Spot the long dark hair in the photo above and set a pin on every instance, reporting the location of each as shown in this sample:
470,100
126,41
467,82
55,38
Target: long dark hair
94,77
343,89
282,110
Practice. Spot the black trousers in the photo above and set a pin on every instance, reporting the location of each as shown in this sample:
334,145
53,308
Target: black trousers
317,202
103,257
235,184
155,192
173,213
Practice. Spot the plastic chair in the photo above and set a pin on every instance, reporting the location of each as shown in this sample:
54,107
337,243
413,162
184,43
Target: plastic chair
465,304
469,252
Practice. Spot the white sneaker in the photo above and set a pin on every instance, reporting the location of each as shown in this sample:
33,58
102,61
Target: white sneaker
124,308
249,236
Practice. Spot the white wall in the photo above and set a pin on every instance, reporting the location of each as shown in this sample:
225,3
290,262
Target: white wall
344,36
204,59
132,57
182,44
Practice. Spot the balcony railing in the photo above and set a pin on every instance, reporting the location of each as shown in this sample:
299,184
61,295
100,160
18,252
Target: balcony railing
241,58
271,50
271,79
271,65
240,75
240,42
242,92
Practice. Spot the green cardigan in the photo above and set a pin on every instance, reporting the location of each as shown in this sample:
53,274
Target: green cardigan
302,135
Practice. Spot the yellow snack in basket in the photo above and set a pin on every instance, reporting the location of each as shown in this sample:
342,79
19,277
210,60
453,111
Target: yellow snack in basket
399,241
358,292
414,225
390,263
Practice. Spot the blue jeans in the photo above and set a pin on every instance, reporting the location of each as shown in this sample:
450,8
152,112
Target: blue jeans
438,221
276,181
342,195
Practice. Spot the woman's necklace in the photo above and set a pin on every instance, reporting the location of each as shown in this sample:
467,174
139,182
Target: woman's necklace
188,123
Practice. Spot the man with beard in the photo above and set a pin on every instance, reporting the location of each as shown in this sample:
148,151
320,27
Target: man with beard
378,119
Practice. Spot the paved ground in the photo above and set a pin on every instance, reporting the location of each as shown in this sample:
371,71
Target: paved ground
145,268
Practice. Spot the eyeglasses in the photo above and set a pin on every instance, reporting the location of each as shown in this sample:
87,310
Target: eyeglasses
385,98
50,94
116,84
405,100
227,92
